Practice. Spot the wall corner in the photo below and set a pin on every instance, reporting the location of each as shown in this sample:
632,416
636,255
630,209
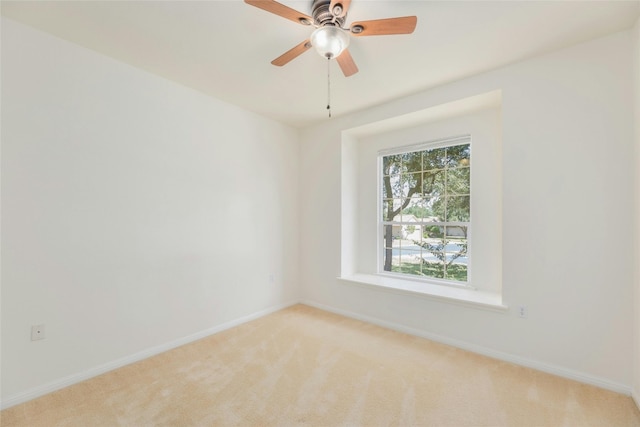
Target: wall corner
636,197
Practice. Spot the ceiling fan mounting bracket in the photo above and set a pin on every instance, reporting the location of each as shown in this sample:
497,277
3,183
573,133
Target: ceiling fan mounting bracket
322,15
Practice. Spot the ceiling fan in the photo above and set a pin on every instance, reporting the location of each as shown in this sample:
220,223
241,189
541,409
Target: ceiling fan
331,37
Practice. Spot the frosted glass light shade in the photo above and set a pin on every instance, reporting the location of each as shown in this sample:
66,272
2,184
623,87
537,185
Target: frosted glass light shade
329,41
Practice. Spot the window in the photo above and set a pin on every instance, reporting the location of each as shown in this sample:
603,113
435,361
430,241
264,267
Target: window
425,211
363,246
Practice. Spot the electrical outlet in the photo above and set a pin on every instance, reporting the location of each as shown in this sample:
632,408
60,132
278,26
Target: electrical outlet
522,311
37,332
271,278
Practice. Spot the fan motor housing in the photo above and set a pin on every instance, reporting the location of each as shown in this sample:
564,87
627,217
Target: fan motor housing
322,14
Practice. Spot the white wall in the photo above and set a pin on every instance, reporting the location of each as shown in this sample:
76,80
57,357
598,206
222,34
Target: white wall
636,73
567,174
125,214
135,212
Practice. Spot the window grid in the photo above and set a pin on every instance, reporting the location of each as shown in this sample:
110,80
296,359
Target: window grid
439,248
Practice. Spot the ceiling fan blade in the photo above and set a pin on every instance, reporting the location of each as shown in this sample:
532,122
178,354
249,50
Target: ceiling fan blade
344,7
347,65
281,10
384,27
292,53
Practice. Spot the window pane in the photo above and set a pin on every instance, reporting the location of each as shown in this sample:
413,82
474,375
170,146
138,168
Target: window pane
433,159
411,184
433,254
458,209
391,250
413,210
437,205
392,262
392,186
458,181
432,232
386,189
435,245
456,232
391,209
456,271
457,254
392,165
412,162
387,257
385,209
459,156
433,183
387,236
410,262
418,208
432,266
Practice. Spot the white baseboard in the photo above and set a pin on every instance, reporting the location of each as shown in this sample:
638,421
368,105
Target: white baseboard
99,370
550,369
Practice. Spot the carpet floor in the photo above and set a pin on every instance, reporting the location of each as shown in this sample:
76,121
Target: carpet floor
305,367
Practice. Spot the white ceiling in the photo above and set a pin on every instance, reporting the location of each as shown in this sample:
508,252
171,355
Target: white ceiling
224,48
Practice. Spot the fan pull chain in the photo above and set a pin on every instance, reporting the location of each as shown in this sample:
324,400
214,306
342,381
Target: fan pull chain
329,85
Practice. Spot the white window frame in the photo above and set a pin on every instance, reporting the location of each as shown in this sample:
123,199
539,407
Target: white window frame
429,145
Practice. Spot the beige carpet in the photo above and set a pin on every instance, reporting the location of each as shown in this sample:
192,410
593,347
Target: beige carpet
302,366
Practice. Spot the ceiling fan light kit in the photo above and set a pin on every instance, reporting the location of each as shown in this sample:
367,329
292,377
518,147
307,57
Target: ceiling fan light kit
329,41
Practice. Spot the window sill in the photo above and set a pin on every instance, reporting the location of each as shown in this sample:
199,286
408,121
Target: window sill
464,296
